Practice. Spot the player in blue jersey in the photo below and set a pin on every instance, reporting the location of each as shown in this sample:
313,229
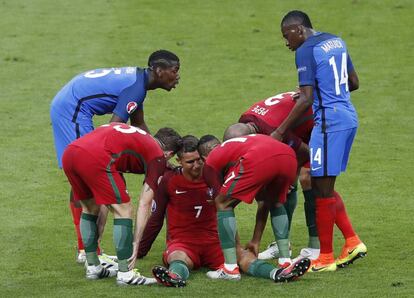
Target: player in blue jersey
117,91
326,78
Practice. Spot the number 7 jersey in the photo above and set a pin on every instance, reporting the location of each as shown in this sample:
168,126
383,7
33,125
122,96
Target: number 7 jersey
323,62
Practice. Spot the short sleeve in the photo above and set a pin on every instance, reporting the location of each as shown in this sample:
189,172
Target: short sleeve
306,66
155,170
130,99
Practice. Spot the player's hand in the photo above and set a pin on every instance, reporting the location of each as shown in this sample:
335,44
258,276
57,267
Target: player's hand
133,258
253,247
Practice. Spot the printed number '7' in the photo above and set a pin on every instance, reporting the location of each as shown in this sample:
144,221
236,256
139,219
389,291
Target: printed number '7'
198,208
344,73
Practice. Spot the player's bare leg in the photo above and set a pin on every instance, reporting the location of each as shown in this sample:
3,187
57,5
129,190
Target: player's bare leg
178,270
227,233
123,238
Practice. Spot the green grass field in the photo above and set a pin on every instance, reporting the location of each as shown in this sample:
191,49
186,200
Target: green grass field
232,54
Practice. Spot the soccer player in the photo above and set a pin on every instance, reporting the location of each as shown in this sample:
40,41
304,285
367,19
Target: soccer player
93,165
326,78
264,117
241,169
120,91
185,200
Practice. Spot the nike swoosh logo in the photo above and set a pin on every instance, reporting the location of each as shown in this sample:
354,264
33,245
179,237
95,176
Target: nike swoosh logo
315,169
317,269
180,192
232,175
351,251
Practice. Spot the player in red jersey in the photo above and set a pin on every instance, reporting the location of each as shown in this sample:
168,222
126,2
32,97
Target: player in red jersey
264,117
241,169
186,201
93,165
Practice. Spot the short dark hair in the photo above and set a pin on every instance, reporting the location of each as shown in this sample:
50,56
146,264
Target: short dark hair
297,17
169,139
163,59
206,144
189,144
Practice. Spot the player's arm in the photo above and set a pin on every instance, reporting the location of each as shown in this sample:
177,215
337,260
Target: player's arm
353,81
143,212
156,219
137,120
302,105
262,214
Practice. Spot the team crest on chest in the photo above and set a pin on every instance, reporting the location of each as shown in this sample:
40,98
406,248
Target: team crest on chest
210,192
131,107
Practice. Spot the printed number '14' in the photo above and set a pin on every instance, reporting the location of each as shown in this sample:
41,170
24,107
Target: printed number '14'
344,73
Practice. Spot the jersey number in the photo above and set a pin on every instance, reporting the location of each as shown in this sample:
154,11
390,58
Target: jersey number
344,73
101,72
276,99
198,208
130,129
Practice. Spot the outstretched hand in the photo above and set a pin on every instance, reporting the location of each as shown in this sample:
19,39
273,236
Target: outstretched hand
133,258
253,247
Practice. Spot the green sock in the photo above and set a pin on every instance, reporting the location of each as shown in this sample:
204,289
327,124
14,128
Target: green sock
310,214
280,224
290,205
260,268
123,241
180,268
227,233
89,232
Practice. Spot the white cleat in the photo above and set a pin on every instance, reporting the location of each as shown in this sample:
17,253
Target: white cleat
134,278
310,253
108,262
97,272
223,273
271,252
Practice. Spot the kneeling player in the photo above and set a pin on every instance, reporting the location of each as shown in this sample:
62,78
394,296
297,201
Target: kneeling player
93,165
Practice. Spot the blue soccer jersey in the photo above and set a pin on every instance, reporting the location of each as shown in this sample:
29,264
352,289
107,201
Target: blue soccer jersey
102,91
323,62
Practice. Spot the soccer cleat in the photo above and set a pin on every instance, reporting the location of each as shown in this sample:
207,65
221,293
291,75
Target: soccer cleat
80,256
293,271
350,254
108,262
310,253
97,272
133,278
271,252
318,266
223,273
167,278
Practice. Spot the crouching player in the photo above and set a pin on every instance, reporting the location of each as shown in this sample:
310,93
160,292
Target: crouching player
239,170
93,165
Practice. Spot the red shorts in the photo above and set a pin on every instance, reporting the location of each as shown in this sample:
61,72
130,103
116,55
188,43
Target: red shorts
90,178
273,175
202,255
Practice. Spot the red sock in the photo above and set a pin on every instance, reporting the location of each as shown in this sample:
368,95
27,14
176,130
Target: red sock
342,219
76,215
325,220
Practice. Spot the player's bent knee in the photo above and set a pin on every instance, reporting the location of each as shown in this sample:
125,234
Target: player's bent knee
89,206
123,210
179,255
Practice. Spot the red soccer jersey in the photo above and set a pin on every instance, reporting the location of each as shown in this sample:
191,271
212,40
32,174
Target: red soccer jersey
252,147
268,114
189,209
126,149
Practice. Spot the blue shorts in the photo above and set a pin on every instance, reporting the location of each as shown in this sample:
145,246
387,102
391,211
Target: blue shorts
329,152
65,132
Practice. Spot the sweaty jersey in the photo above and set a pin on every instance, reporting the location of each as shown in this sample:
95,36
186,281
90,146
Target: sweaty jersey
126,149
269,113
228,154
323,62
189,209
102,91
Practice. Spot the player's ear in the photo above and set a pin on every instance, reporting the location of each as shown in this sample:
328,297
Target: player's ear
168,154
300,30
179,160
